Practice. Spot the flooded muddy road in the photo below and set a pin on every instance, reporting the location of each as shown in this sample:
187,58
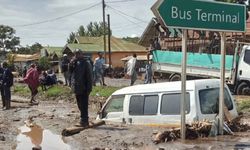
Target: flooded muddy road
49,118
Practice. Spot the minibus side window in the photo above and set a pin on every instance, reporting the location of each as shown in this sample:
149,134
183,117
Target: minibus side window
143,105
170,104
136,105
209,100
115,104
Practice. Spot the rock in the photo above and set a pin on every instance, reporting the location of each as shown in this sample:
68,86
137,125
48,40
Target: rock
2,138
37,148
16,120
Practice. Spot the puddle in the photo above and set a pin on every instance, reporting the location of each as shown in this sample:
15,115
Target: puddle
36,136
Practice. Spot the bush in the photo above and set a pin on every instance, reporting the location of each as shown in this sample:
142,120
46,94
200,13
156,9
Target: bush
44,63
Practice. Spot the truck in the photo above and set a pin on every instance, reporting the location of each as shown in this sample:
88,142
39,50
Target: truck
207,65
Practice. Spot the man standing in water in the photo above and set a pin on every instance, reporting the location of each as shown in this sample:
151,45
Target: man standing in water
81,83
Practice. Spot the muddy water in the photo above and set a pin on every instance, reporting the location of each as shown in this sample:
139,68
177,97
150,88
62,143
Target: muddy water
35,136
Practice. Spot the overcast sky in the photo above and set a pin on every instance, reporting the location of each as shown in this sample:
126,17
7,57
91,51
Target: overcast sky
17,13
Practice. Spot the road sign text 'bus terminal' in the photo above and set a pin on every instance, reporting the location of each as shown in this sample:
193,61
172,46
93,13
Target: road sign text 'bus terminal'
206,15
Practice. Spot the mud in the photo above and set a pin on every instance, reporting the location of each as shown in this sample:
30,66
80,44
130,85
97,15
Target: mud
50,117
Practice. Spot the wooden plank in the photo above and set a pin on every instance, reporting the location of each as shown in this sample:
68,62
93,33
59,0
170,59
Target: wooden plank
75,130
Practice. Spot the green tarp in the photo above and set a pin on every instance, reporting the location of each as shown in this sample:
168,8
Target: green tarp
193,59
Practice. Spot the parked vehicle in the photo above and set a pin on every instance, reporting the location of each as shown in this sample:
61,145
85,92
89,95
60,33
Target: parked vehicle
159,103
204,65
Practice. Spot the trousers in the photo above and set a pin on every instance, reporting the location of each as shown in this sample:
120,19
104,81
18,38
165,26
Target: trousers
82,103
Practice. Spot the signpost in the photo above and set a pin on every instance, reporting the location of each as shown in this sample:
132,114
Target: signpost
201,15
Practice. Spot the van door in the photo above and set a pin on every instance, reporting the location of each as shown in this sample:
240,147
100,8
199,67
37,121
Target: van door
170,112
143,109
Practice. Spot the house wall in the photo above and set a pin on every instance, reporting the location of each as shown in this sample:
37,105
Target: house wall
117,56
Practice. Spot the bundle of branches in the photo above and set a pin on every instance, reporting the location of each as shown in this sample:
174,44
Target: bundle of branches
193,131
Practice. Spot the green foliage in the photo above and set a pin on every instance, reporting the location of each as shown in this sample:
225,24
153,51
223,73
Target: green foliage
36,48
81,31
21,90
44,63
71,38
131,39
57,90
93,29
244,105
8,39
103,91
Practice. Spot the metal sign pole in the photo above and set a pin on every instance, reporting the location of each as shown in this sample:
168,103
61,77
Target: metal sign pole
222,82
183,84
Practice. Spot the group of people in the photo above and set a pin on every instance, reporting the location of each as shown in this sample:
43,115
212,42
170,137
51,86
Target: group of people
132,69
97,69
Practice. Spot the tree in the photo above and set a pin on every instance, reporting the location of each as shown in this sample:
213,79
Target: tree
44,63
35,48
71,37
131,39
93,29
81,31
8,39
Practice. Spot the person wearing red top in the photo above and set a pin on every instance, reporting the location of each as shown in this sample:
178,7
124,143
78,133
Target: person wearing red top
32,79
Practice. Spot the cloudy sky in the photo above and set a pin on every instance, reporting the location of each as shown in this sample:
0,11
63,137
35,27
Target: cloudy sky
128,18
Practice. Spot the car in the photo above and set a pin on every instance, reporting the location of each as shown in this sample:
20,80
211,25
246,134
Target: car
159,103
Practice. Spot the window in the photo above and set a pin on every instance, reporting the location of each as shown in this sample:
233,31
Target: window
115,104
170,104
143,105
247,56
209,101
151,105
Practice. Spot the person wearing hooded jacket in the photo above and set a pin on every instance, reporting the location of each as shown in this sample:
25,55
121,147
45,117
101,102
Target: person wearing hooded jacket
6,84
81,84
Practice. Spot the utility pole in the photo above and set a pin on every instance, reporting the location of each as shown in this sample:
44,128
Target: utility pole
104,29
109,43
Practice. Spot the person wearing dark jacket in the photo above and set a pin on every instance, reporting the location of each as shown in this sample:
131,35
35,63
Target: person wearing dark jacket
1,86
7,83
81,84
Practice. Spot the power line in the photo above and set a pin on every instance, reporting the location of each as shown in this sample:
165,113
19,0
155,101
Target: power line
58,18
127,15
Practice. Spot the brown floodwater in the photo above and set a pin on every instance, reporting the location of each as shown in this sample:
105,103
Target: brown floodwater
36,136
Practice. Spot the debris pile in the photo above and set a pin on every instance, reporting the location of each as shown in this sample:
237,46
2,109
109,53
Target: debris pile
193,131
198,130
237,125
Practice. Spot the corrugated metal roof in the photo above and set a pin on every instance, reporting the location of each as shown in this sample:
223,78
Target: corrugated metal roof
117,44
57,50
25,58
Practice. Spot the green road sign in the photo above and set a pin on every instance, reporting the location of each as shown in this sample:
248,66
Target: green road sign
202,15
